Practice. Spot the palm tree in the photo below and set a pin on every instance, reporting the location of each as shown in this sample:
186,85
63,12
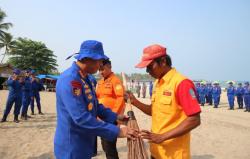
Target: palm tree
7,42
3,26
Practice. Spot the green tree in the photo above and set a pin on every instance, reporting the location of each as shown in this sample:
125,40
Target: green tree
3,26
6,42
32,54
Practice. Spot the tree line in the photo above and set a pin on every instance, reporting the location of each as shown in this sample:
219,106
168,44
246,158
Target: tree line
24,53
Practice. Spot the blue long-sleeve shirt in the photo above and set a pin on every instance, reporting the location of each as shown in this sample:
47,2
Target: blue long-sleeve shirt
77,111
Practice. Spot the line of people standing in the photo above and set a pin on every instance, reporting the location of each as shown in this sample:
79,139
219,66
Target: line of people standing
211,94
240,93
22,91
208,93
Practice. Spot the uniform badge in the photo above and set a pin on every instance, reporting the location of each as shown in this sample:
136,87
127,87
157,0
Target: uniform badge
191,92
86,86
90,96
118,87
90,106
87,90
76,88
167,93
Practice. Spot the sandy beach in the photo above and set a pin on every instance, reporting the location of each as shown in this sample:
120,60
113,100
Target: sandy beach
223,134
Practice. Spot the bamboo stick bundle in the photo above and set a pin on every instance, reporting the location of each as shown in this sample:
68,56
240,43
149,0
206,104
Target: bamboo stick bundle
136,148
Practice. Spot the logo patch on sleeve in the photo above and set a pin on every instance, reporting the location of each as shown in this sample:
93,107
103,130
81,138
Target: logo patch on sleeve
118,87
76,88
191,92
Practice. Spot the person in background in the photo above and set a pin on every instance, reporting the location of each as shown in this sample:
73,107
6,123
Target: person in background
197,87
15,96
26,95
110,93
247,96
202,94
239,94
231,95
36,86
138,90
216,94
150,88
209,93
144,89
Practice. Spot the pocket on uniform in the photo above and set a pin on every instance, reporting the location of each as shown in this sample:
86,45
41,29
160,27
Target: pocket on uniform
166,100
107,91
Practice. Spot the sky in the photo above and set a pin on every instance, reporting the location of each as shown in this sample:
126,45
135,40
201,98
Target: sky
207,39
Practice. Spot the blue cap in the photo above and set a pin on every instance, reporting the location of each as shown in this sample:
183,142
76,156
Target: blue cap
92,49
32,72
16,71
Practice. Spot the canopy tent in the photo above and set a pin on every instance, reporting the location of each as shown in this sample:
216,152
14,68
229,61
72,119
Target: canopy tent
51,77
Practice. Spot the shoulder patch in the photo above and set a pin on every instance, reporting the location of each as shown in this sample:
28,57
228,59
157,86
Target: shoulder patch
118,87
76,88
191,92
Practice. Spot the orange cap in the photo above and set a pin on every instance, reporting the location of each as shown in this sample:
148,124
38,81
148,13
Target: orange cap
150,53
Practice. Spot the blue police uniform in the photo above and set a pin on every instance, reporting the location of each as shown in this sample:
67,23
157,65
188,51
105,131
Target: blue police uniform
198,92
15,96
216,95
35,88
202,94
239,93
230,96
78,108
247,96
209,94
26,95
150,88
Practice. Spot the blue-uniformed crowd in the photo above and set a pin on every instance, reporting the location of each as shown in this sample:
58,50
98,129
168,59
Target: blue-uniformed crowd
206,93
22,91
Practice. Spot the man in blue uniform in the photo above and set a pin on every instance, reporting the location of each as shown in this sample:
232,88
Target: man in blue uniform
230,95
78,108
26,94
15,96
216,94
239,94
202,94
150,88
209,93
35,88
247,96
198,86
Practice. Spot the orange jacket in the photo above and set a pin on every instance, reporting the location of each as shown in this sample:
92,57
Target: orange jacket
110,93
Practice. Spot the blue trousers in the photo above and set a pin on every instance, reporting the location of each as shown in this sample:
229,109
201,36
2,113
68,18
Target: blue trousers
247,101
231,101
9,104
202,99
37,98
240,101
26,103
216,99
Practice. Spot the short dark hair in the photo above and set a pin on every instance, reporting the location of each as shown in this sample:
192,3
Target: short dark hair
168,60
105,62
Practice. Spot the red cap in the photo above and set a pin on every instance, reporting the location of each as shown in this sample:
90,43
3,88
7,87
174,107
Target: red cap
150,53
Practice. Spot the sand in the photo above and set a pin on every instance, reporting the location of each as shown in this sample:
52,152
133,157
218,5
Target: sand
223,134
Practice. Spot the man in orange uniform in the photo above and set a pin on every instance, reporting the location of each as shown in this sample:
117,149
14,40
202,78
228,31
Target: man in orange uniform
110,93
175,110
